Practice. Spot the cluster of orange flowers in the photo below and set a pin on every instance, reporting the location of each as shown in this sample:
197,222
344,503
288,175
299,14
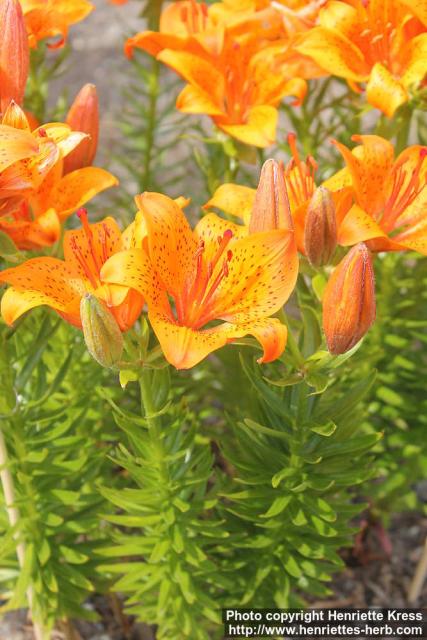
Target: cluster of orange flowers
224,279
239,58
240,274
45,172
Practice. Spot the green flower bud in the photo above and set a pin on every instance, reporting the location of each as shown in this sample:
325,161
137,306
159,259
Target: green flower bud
102,334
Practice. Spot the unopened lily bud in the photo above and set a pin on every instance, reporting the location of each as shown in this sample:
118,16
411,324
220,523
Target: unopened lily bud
320,232
349,300
84,116
14,53
102,334
271,208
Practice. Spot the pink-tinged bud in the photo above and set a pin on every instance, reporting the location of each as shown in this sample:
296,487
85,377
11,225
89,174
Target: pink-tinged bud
271,208
102,334
83,116
320,231
349,300
14,53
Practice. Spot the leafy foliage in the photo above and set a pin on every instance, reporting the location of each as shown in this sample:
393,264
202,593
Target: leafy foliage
165,529
55,444
398,402
290,494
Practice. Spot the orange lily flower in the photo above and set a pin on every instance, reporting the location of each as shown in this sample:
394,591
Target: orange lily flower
61,284
378,42
52,18
232,73
390,195
240,89
35,196
294,15
14,54
184,26
191,280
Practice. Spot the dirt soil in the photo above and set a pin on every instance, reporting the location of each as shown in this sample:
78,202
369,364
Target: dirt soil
378,574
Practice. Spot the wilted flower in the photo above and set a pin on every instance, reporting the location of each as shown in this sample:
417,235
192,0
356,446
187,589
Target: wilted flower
349,300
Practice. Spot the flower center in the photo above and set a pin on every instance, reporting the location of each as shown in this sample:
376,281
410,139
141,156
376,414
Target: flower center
199,297
405,188
93,257
239,88
194,16
299,175
377,43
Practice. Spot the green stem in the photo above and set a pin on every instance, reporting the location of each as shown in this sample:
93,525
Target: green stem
153,12
402,137
291,342
13,515
154,91
149,409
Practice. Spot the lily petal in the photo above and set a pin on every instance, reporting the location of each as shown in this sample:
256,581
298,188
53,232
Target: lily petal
418,8
185,347
415,237
40,281
197,72
105,239
194,100
171,243
334,53
33,234
260,127
78,187
368,164
234,200
384,91
15,145
262,275
416,66
133,268
358,226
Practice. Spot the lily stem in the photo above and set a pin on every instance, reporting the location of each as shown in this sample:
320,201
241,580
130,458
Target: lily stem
14,517
153,12
148,408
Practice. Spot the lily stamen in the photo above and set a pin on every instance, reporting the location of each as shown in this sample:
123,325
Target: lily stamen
398,201
299,175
